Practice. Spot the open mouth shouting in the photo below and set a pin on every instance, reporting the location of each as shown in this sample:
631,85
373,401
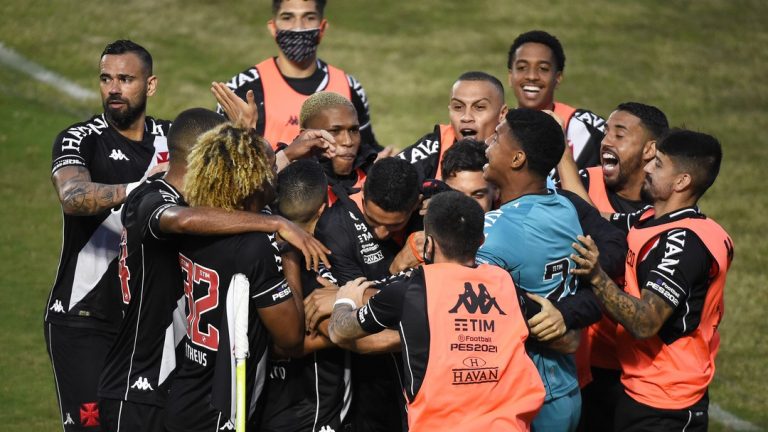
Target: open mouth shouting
610,162
468,133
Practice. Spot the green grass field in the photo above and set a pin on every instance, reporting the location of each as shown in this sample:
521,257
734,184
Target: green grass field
703,62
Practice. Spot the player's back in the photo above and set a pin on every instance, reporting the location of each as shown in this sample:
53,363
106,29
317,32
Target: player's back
531,238
202,394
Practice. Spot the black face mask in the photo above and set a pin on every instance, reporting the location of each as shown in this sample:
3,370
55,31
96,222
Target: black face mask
427,260
298,45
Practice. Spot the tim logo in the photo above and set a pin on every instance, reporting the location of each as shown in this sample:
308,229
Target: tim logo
89,414
293,121
118,154
473,301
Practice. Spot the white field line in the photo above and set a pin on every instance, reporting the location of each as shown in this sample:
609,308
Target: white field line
12,59
729,420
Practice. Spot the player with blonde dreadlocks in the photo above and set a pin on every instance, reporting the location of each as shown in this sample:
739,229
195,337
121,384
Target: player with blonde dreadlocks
227,166
230,168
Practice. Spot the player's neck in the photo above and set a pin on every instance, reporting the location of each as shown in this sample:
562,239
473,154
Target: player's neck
674,203
631,189
175,177
290,69
134,132
519,186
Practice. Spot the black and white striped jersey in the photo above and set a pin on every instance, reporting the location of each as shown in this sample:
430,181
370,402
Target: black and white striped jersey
142,359
86,292
202,393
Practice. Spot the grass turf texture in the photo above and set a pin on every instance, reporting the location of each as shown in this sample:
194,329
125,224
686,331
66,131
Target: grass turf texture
702,62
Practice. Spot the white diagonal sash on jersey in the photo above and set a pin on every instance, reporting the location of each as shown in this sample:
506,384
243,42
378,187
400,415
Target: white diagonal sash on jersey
173,336
94,258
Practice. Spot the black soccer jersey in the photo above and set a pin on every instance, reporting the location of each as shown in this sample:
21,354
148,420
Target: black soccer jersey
86,292
202,394
377,402
676,267
425,154
310,393
142,358
249,79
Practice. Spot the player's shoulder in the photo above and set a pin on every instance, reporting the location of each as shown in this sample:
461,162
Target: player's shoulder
157,127
588,119
423,147
82,132
245,78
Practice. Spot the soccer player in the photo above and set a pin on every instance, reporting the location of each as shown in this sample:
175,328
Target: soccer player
462,170
336,115
536,63
672,301
365,232
631,133
476,107
230,168
530,236
96,164
467,369
281,84
134,384
306,393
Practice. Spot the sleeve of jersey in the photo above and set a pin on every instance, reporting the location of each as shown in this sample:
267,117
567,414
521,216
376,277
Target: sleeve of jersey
625,221
268,284
384,309
682,262
70,148
150,207
360,101
492,251
610,241
330,231
423,155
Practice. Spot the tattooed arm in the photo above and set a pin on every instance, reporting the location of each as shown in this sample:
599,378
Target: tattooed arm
344,325
80,196
642,317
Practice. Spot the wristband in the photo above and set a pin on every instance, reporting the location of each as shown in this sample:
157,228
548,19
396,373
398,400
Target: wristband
345,301
131,186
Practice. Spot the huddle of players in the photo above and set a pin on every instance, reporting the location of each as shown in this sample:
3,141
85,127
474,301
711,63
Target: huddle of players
207,218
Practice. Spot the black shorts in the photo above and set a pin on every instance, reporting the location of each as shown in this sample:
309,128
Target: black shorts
632,416
122,416
77,357
599,399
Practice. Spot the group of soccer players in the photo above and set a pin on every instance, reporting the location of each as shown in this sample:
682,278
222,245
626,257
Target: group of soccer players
536,268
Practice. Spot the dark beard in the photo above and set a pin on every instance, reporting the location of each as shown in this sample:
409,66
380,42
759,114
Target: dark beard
122,120
645,194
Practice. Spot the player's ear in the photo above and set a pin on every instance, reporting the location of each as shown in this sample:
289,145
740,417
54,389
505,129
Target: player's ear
503,112
151,85
272,28
323,27
649,150
682,182
558,78
518,160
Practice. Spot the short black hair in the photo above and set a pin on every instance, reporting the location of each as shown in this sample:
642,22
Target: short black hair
540,137
482,76
695,153
542,37
124,46
653,119
301,189
187,128
455,221
320,6
466,155
393,185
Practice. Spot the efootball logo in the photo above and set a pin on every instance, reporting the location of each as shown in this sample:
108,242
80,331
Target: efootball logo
473,301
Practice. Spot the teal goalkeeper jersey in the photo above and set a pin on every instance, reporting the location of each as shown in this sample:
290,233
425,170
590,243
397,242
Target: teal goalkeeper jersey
531,238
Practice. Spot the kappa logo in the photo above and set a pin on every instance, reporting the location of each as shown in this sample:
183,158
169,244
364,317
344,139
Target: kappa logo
473,301
293,121
228,426
142,384
68,420
326,429
57,307
118,154
89,414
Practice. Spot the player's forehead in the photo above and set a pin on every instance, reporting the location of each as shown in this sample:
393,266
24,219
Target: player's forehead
121,64
297,8
472,91
534,52
467,182
623,120
334,116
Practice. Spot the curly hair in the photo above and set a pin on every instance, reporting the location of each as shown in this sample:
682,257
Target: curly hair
226,166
